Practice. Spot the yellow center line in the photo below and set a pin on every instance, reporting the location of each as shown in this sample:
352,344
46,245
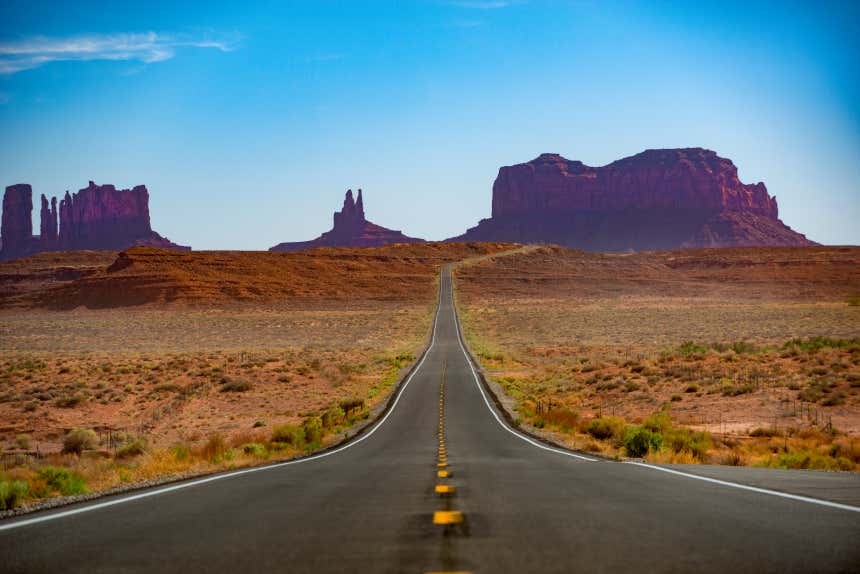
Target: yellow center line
446,517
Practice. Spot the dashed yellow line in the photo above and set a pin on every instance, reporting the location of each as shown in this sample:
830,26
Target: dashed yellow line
446,489
446,517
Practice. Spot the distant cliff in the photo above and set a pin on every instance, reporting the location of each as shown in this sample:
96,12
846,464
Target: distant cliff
350,229
658,199
96,217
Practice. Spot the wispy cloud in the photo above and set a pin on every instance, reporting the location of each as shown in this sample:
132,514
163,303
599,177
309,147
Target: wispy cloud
148,47
486,5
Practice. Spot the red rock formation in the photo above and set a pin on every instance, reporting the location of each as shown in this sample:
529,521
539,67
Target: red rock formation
96,217
658,199
350,229
48,228
16,229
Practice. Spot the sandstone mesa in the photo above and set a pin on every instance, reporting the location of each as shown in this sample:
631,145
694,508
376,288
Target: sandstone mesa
657,199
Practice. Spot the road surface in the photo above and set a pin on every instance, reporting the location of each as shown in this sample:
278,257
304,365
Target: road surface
371,506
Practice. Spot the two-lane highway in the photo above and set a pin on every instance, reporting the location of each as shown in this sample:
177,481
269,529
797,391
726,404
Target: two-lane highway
371,506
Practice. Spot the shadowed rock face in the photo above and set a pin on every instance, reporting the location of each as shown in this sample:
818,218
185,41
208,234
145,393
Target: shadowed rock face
16,229
658,199
49,227
350,229
96,217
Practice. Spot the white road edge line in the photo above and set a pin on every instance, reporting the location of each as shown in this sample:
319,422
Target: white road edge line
750,488
197,482
487,401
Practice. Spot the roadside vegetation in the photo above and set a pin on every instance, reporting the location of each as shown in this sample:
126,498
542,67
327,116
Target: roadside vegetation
683,405
676,358
87,464
76,422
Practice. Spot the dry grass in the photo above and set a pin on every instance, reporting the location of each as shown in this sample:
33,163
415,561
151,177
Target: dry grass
221,356
703,335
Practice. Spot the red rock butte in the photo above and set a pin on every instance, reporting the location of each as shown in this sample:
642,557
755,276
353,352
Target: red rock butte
350,229
658,199
99,217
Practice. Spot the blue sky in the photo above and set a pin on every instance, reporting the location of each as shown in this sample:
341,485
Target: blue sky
247,121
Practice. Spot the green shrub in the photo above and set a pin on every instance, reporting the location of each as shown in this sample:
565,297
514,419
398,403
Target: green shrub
70,401
79,440
401,360
181,451
255,449
289,434
313,431
816,343
333,417
696,443
688,348
63,480
742,347
11,491
658,422
736,390
134,448
606,427
809,459
834,400
638,440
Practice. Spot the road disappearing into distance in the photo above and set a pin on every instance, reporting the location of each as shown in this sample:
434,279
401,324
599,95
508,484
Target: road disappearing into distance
442,484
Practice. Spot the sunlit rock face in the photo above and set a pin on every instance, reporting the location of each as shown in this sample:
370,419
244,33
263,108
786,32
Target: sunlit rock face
98,217
658,199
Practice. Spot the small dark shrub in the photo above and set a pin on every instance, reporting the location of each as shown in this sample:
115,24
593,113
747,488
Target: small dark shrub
313,431
606,427
764,432
236,387
11,491
255,449
79,440
639,440
135,448
289,434
688,348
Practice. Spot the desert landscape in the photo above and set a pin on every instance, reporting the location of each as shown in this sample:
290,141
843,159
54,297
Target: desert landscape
743,356
440,286
118,368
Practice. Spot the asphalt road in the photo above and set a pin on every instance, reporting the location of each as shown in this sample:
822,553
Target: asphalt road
370,507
